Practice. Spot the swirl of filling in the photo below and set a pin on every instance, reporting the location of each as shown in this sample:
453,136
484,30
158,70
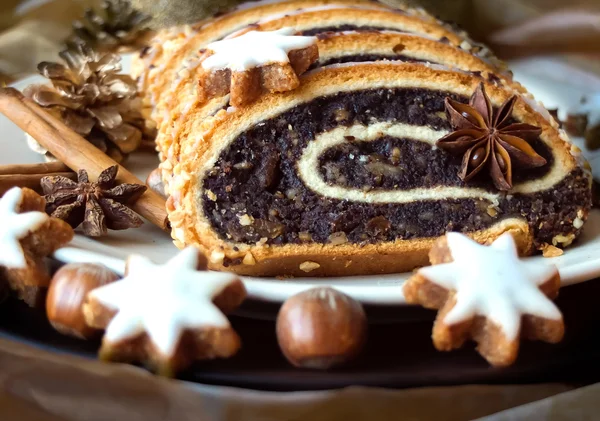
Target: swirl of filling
362,167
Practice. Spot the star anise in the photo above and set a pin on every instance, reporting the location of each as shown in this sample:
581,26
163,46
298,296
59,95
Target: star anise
97,206
488,139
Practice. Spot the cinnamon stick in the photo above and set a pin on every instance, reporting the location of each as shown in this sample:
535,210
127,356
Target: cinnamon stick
74,151
49,168
32,181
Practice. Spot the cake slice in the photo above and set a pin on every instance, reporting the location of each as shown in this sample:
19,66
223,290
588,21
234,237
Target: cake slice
351,173
402,130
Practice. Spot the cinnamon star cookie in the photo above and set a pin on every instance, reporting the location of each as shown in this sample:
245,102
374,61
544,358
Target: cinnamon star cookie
489,295
166,316
247,64
27,236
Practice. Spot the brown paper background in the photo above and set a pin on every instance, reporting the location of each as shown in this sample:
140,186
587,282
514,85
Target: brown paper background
41,386
32,30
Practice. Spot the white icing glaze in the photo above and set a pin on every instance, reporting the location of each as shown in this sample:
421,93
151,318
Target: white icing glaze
14,227
493,282
254,49
163,300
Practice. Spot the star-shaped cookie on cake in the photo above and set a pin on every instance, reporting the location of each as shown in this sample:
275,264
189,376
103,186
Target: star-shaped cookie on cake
167,316
247,64
488,294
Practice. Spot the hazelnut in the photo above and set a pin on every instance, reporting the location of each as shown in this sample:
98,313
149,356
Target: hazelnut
321,328
67,293
155,182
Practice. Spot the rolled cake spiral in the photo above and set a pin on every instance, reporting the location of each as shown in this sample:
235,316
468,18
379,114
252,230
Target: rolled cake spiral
343,174
334,48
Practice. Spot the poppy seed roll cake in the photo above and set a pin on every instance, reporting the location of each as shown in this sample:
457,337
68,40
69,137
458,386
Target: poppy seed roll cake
357,162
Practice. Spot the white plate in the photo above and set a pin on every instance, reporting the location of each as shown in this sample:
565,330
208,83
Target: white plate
578,264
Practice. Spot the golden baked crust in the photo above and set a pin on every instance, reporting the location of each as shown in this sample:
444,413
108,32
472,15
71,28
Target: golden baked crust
173,46
390,44
203,139
180,51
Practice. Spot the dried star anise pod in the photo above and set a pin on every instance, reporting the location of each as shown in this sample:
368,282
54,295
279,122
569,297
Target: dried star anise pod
97,206
91,97
487,139
116,24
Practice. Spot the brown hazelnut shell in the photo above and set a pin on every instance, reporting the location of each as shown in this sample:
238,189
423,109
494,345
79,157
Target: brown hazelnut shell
67,293
321,328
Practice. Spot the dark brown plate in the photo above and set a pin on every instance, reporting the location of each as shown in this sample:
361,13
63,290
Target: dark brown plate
398,355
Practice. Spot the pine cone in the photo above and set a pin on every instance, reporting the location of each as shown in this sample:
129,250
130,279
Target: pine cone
91,97
117,24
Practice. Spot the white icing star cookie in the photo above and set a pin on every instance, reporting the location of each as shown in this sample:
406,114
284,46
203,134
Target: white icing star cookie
489,294
246,66
255,49
158,305
27,236
14,227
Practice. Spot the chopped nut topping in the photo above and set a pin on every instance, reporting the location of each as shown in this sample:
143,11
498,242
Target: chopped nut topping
338,238
564,240
291,194
442,115
249,259
217,256
395,156
378,225
245,165
246,220
309,266
305,236
492,211
341,115
383,169
211,195
549,250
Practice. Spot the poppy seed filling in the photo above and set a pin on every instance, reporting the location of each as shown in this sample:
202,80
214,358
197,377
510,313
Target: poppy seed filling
254,192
